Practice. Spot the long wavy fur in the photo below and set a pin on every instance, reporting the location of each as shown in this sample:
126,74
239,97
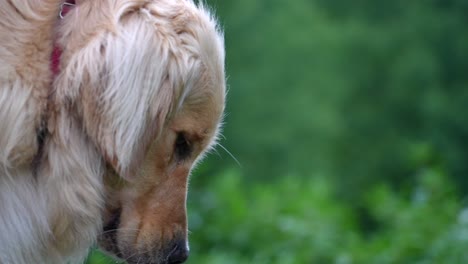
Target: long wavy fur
127,67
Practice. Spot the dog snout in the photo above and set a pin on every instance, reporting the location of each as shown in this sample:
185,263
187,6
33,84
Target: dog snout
179,253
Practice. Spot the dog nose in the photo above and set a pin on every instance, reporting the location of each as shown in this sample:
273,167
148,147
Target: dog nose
179,253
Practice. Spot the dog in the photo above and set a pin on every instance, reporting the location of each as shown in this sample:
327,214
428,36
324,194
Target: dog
100,150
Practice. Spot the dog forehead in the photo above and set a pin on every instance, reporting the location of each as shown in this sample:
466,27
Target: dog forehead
199,121
200,111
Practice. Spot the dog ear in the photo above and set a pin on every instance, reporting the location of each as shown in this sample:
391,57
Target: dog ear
122,86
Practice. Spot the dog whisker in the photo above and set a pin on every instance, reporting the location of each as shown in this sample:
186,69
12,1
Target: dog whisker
230,154
140,253
117,229
170,253
222,136
214,150
134,254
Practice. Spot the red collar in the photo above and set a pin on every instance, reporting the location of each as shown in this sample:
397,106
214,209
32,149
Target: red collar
66,6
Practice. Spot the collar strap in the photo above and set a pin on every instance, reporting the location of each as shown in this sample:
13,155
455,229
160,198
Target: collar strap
65,7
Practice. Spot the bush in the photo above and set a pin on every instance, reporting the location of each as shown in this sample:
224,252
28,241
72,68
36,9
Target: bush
300,220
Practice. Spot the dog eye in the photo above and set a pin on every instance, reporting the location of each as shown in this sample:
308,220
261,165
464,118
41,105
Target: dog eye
182,148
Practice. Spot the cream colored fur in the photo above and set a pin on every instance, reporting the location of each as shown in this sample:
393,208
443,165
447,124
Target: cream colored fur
128,68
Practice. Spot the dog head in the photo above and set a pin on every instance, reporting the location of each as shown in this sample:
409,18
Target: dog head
147,82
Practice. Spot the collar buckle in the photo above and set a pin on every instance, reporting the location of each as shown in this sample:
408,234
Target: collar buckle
64,8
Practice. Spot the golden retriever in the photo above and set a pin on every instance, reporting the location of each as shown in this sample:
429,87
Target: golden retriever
102,150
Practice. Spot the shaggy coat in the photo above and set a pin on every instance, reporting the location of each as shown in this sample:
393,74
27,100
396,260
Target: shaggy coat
109,142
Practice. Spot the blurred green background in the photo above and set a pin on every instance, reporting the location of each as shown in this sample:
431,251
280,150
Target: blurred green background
349,121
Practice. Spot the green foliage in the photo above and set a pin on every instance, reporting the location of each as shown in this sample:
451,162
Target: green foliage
99,257
301,220
284,222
